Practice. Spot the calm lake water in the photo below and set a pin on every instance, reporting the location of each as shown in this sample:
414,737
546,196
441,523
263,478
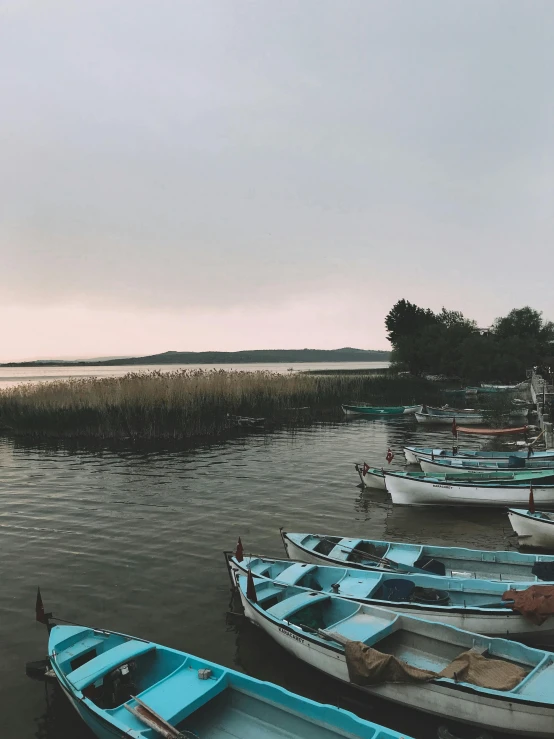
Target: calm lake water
10,376
131,539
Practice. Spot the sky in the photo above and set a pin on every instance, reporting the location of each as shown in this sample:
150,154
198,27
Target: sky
233,174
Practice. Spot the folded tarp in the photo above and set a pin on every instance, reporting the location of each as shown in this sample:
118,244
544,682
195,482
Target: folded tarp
367,666
536,603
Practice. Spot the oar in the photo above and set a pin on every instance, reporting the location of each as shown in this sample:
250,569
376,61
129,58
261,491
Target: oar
380,560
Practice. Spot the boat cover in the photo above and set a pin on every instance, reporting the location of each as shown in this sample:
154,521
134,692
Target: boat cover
536,603
367,666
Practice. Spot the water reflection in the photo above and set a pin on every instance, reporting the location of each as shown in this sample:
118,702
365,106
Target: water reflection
130,538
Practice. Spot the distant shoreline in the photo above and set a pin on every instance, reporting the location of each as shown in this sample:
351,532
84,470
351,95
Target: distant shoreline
258,356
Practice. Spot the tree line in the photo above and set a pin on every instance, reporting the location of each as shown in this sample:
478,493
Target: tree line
448,343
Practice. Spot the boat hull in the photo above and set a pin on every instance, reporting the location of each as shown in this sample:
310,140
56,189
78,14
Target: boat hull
361,410
508,625
409,491
372,479
532,532
414,454
466,706
476,465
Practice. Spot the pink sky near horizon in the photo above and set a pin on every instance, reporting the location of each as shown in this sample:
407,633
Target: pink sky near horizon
226,176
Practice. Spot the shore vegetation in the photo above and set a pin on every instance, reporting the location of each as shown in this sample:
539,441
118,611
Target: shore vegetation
193,403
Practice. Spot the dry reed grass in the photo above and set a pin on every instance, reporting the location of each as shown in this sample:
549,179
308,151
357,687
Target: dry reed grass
187,403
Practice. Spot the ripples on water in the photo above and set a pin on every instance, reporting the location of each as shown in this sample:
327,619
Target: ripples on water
132,540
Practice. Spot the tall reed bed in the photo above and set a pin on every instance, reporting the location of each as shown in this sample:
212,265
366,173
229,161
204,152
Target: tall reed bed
189,403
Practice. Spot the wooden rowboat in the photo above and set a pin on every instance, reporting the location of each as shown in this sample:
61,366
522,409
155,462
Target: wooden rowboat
413,454
124,687
370,410
454,562
534,529
433,666
497,488
471,604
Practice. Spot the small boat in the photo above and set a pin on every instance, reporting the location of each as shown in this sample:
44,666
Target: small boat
126,687
371,410
476,605
414,662
497,488
371,477
465,418
453,562
413,454
247,421
478,465
534,529
374,477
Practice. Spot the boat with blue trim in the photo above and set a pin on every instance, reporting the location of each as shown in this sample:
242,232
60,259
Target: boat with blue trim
384,410
475,605
453,562
533,528
413,454
435,668
123,687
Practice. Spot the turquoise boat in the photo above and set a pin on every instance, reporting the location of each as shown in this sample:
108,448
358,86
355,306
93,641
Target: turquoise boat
130,688
472,604
454,562
371,410
413,454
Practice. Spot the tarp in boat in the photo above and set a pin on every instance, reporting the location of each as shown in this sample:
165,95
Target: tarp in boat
536,603
368,666
491,432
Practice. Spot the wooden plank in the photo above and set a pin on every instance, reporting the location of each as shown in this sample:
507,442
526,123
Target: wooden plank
153,720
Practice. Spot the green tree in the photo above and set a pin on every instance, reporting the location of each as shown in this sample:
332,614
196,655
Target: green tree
406,319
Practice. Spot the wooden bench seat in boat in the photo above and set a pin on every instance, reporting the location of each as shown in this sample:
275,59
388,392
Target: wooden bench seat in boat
177,695
294,573
343,549
289,606
107,661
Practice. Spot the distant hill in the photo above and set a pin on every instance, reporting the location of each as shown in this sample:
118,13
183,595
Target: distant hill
347,354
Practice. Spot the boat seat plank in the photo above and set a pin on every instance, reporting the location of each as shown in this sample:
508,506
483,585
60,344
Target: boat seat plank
403,554
363,627
287,607
96,668
294,573
81,647
176,696
343,549
269,592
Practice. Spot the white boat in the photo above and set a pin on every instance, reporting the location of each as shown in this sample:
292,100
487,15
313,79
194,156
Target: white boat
533,529
413,454
471,418
371,477
474,605
328,632
440,489
478,465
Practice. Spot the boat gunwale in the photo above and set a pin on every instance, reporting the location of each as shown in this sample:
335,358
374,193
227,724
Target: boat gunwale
449,683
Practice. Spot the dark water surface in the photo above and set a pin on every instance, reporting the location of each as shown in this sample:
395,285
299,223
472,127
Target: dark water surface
132,540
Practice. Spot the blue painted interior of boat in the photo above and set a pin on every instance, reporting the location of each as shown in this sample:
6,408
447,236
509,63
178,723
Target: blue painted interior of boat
458,561
377,586
424,644
222,705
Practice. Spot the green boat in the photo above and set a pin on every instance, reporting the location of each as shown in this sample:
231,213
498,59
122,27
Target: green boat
384,410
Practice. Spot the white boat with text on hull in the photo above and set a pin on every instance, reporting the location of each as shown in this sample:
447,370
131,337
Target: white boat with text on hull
326,631
442,490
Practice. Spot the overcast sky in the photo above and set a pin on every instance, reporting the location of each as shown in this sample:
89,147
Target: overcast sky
235,175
